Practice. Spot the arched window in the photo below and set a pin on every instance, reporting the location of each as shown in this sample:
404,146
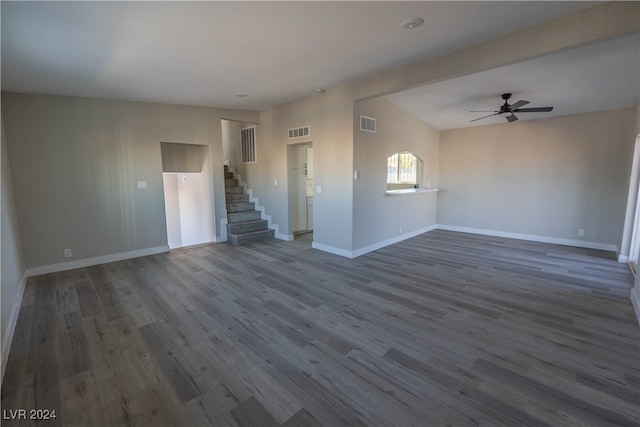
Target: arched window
404,170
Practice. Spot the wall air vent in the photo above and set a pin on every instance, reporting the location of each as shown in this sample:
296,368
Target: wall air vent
367,124
299,132
248,139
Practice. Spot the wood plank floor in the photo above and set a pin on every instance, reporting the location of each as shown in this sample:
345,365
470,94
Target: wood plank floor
444,329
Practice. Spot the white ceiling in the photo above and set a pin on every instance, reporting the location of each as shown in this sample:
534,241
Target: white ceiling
207,53
600,77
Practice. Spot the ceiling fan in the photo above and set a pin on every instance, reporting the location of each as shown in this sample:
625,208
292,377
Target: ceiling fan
513,108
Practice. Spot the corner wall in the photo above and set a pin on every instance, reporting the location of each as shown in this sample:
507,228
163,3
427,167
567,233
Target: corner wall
542,178
11,258
76,165
380,219
330,115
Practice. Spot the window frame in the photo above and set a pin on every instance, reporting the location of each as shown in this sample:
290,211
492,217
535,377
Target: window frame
401,172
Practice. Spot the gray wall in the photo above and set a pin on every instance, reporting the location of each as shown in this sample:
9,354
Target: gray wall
231,141
76,163
542,177
182,157
330,115
377,216
11,259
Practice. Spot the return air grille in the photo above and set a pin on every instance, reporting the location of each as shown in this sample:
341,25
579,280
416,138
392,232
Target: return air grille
248,139
299,132
367,124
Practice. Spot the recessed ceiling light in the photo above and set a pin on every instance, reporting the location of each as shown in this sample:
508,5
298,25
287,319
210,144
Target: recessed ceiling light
409,24
320,90
242,95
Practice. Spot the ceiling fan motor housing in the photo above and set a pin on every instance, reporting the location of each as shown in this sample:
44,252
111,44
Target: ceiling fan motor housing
505,108
516,107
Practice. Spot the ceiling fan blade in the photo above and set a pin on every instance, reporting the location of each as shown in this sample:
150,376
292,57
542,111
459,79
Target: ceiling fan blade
518,104
484,117
484,111
533,110
512,118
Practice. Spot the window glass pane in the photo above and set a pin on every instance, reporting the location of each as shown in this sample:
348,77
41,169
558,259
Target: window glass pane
407,168
392,169
402,169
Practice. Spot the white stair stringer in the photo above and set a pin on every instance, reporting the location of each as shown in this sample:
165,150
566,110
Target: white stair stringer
223,231
262,209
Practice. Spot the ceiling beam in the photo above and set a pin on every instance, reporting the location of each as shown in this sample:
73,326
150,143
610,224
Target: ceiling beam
597,24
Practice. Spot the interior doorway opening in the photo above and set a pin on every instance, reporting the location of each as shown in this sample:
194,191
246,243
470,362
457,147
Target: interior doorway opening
188,194
300,177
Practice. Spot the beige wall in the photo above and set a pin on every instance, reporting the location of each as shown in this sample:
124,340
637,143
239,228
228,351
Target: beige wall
231,141
76,163
377,216
542,177
11,258
330,115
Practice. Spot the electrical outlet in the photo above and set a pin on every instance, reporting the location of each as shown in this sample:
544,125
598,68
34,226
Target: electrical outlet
581,232
67,253
401,229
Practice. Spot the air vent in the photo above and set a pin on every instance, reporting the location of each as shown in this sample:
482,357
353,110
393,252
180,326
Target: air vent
299,132
367,124
248,139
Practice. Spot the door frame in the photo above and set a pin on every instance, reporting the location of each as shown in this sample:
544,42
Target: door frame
290,201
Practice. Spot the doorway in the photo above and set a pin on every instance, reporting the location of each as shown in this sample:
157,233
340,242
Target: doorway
187,194
300,160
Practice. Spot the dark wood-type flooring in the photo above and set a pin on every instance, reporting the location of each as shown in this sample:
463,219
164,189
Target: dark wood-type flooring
442,329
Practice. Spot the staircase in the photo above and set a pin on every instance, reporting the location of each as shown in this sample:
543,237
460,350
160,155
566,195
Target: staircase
244,222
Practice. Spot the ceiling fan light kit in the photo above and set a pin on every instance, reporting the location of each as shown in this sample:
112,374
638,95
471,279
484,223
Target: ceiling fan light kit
510,109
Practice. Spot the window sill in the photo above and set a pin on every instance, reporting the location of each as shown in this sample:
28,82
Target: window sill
407,191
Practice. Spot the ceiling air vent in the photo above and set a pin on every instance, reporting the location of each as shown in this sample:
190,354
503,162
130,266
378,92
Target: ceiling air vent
367,124
299,132
248,140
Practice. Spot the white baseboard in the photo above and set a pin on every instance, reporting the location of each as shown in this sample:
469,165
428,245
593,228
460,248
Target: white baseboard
332,250
531,237
103,259
11,327
370,248
391,241
223,232
635,301
285,237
